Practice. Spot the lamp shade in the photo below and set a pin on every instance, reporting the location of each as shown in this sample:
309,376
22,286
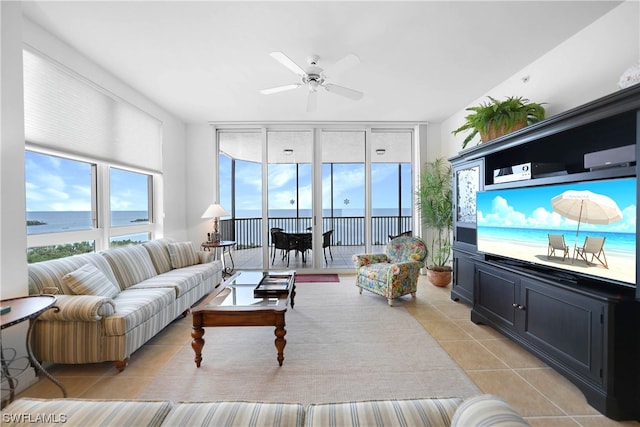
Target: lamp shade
214,211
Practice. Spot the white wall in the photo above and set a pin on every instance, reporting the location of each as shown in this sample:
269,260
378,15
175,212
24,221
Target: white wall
585,67
202,174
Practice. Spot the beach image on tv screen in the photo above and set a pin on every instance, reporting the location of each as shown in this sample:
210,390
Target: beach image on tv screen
586,227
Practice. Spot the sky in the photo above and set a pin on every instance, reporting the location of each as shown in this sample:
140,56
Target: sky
348,186
531,206
58,184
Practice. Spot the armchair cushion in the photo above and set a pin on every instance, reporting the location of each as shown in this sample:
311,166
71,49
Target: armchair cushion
88,280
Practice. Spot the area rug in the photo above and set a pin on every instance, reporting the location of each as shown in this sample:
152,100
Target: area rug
315,278
341,346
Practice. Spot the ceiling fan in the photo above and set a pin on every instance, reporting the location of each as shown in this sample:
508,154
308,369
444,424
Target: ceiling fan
316,77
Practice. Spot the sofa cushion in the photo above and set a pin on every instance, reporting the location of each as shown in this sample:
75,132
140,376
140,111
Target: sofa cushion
179,280
410,412
182,254
239,414
135,306
84,412
131,264
487,410
49,274
88,280
159,254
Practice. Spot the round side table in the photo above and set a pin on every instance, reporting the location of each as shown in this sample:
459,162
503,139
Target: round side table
26,308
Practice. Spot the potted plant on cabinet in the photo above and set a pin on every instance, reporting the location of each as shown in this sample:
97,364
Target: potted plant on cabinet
496,118
435,204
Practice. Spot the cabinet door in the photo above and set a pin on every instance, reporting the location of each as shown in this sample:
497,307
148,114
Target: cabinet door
566,325
463,276
467,182
495,294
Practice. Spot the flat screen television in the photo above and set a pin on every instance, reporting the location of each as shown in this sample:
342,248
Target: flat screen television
521,226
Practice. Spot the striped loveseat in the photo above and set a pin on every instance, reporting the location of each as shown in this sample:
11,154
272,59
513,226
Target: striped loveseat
112,302
483,410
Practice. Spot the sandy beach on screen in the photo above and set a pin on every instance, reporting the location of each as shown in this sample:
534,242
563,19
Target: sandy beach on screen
621,267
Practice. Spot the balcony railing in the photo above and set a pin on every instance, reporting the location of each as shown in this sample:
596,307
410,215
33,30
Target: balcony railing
347,231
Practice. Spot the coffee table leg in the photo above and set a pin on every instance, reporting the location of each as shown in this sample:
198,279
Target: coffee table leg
280,332
293,295
197,343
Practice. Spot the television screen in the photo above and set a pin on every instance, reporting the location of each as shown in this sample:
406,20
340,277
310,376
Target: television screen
587,228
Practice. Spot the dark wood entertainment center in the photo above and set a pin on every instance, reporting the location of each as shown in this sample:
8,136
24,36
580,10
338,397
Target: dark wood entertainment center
586,328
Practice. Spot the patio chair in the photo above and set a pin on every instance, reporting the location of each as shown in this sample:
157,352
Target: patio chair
273,240
556,242
595,247
326,243
404,233
282,241
393,273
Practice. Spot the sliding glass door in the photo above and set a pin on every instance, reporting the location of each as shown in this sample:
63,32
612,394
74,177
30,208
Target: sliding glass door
343,196
308,198
289,198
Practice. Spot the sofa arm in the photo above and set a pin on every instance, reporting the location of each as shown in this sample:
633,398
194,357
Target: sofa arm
364,259
487,411
82,308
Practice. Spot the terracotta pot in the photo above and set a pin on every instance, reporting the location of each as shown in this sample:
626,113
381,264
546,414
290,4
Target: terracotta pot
494,132
440,278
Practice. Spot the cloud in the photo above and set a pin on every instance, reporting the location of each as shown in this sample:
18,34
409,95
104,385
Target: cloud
502,214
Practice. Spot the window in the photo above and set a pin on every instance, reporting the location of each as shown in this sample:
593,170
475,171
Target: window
79,137
59,194
64,197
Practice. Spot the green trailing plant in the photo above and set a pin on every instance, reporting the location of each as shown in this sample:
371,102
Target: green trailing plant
435,204
511,114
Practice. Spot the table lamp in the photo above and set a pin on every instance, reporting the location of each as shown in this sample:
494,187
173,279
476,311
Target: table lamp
215,211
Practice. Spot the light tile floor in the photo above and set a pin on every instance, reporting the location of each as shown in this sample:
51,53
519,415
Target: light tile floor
493,362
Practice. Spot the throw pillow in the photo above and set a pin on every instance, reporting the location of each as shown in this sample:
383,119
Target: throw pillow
182,254
88,280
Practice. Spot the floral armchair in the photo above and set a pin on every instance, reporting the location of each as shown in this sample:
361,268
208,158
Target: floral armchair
393,273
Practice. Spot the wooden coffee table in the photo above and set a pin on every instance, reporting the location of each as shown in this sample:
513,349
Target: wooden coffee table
233,304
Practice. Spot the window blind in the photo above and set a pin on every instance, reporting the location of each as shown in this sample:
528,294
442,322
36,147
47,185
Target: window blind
66,112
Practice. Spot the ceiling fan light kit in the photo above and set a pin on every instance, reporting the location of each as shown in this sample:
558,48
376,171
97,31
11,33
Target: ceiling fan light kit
316,77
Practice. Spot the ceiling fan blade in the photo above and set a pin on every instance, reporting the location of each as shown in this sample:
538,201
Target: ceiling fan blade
342,65
280,88
287,62
344,91
312,101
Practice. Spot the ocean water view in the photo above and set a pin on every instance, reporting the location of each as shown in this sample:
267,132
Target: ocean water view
56,221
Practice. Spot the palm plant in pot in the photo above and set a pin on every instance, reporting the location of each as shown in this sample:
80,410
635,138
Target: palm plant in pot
496,118
435,204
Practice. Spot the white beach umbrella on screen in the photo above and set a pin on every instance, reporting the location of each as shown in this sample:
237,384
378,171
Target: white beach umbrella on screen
586,207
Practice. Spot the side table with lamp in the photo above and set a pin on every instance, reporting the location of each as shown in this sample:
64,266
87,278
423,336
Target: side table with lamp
214,240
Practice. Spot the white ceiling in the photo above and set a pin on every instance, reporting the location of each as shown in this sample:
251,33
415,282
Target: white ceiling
420,60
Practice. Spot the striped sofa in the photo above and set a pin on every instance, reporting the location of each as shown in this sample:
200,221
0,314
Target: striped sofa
483,410
112,302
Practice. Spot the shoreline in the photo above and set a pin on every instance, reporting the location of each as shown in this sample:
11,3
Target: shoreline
621,267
